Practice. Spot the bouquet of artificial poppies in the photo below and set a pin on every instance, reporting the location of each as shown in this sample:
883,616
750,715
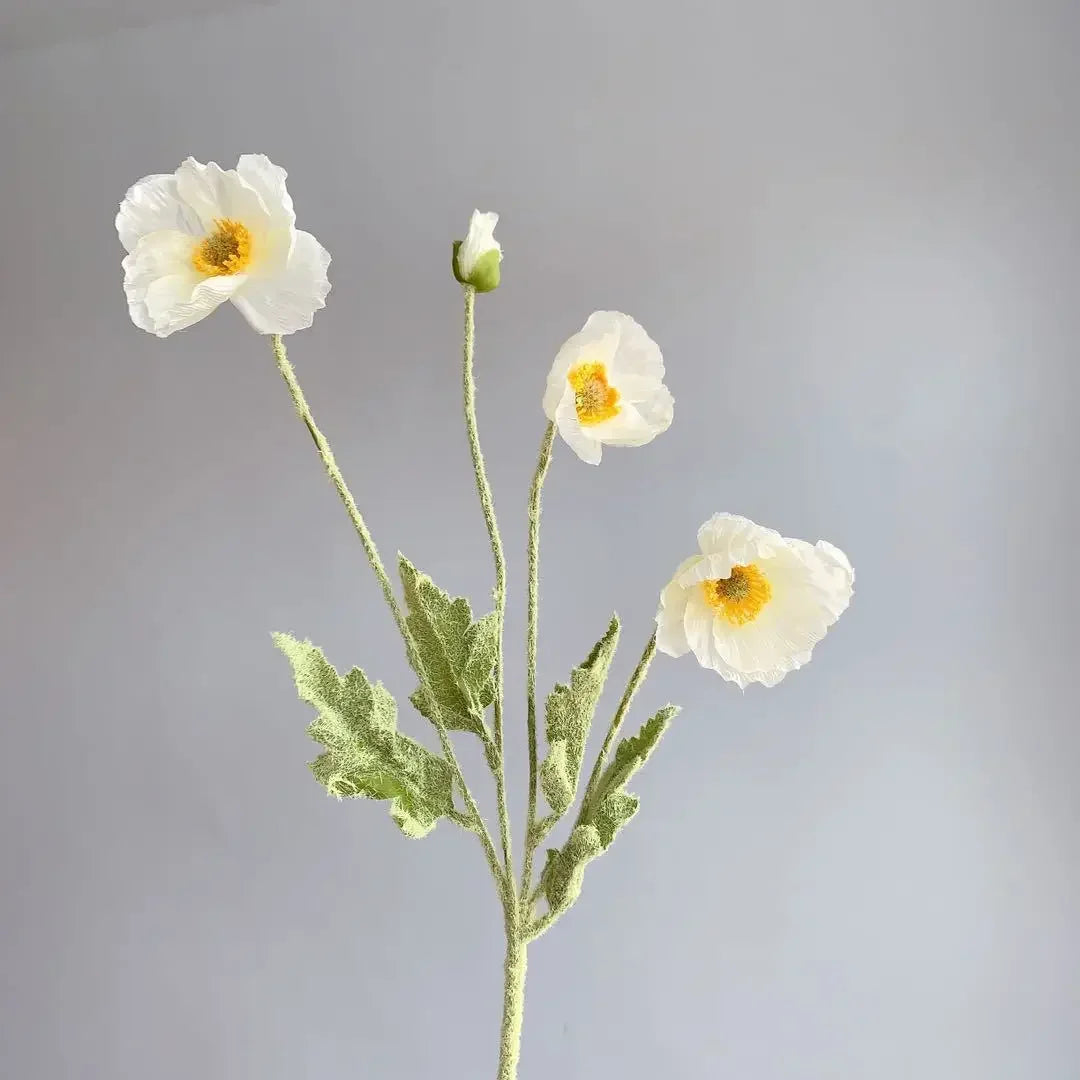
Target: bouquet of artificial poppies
749,603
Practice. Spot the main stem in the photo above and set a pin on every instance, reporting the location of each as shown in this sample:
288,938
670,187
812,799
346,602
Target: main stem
530,654
487,504
372,552
513,1000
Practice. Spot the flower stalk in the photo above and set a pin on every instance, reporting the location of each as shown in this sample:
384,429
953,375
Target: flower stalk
535,491
323,446
632,687
487,504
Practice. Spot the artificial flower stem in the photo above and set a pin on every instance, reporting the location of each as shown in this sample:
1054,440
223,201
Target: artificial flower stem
636,679
304,412
487,504
541,925
513,999
530,649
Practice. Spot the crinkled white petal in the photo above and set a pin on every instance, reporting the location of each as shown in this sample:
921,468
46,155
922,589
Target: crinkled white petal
165,293
652,400
636,422
698,627
214,193
285,302
633,366
479,240
268,179
619,328
836,566
705,567
153,205
576,437
626,428
670,632
738,538
811,586
779,640
175,303
636,425
637,354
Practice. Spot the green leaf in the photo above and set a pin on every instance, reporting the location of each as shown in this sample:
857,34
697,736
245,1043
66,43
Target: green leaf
457,683
607,810
612,813
570,711
631,754
366,756
555,778
564,871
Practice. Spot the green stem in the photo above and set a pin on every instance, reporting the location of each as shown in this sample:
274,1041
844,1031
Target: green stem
487,504
513,1002
636,679
372,552
321,444
541,925
530,648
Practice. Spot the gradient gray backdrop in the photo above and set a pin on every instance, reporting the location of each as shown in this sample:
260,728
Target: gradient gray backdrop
852,226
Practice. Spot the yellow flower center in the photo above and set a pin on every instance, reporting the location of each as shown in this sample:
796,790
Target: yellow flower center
227,250
594,398
740,597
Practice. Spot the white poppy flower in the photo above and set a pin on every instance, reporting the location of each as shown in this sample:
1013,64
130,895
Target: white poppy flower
607,387
753,604
477,257
205,235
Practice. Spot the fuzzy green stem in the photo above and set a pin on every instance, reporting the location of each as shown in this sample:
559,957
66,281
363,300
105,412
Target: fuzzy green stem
513,1003
541,925
372,552
530,649
487,504
636,679
304,412
534,896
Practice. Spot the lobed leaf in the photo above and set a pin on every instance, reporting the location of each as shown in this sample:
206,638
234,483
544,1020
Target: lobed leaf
366,756
457,655
570,710
604,813
564,871
631,754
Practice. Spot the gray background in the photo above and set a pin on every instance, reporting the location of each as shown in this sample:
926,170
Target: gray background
853,228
